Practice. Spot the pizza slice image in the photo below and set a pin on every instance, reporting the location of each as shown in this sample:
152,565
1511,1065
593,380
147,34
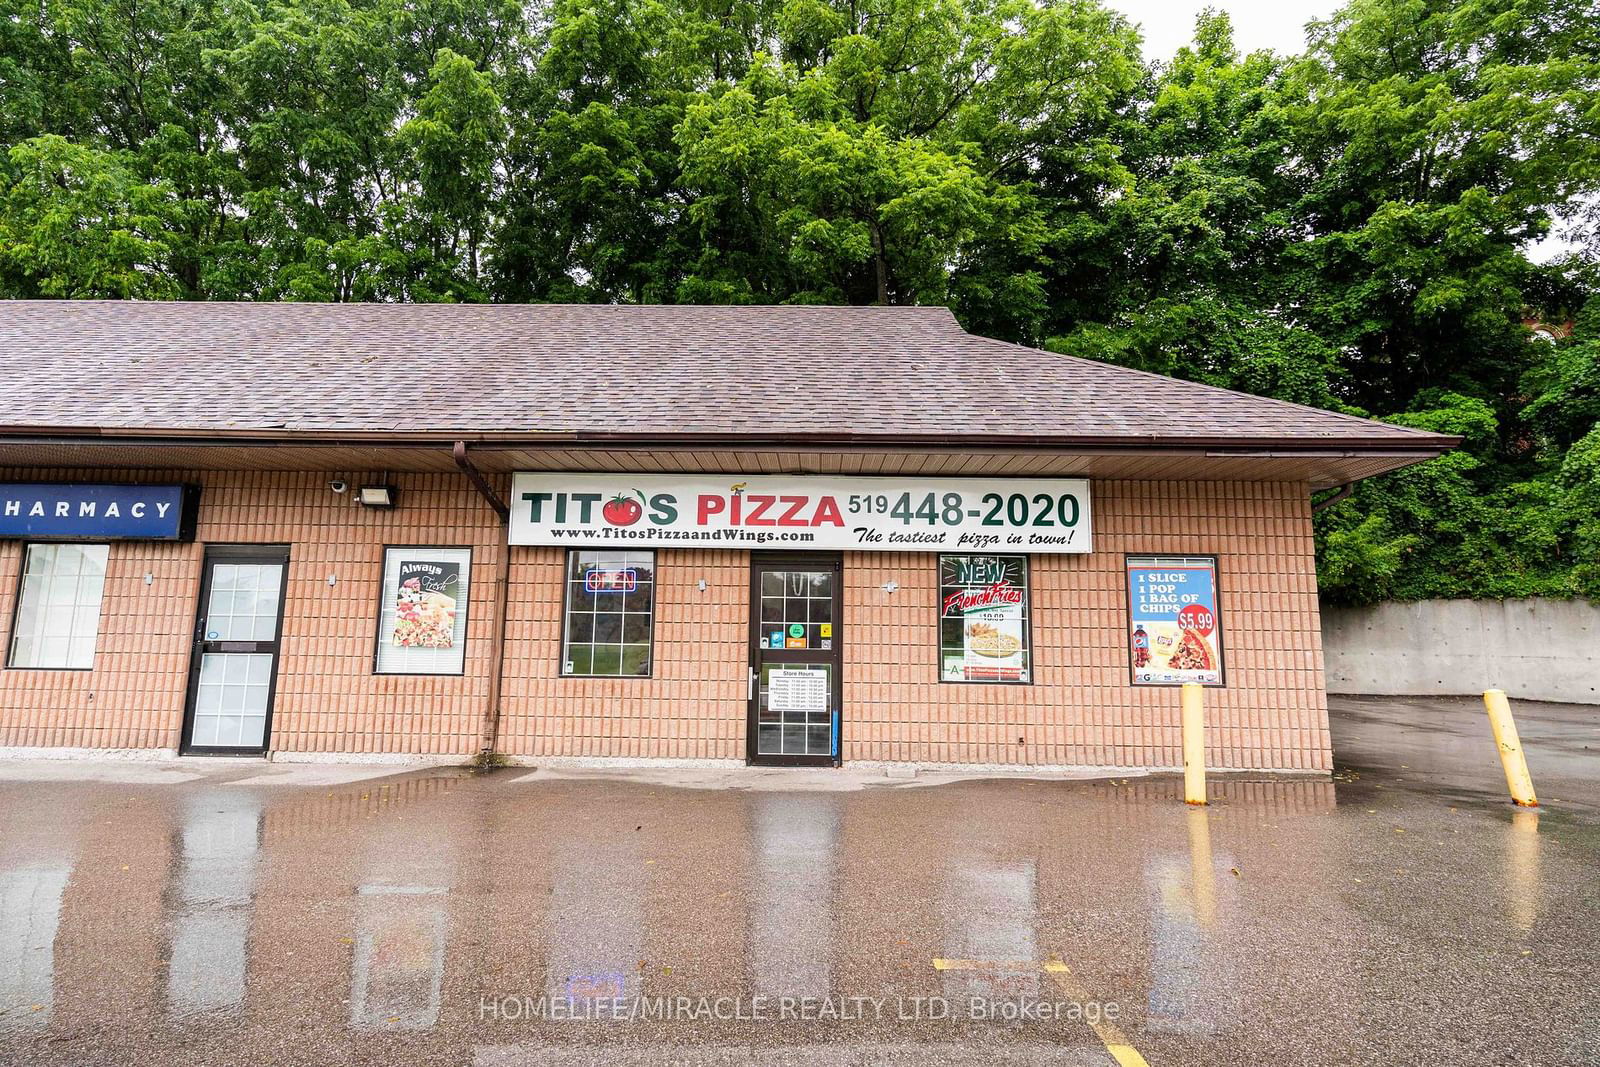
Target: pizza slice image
1192,654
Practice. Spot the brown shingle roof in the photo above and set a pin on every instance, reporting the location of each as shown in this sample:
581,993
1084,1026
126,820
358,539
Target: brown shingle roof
526,371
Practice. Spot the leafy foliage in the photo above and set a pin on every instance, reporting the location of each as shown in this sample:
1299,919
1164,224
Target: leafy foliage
1346,228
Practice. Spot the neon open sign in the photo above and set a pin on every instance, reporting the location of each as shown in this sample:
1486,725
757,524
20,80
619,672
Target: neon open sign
598,580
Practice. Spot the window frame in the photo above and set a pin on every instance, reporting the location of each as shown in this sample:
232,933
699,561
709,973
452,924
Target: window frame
1027,620
566,605
16,602
383,581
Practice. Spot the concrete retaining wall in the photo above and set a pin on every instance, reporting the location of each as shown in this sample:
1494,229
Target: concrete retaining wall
1536,649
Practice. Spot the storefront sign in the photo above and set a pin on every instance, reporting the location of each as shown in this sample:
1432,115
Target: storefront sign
1021,515
797,689
75,512
1175,626
983,618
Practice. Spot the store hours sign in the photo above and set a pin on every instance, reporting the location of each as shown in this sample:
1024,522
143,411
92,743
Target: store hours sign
1021,515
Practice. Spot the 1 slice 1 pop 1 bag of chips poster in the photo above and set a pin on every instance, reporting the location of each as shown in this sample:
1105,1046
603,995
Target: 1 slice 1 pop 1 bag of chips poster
1176,633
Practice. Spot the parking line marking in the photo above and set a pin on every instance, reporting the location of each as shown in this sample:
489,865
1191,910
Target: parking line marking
1115,1041
1110,1035
985,965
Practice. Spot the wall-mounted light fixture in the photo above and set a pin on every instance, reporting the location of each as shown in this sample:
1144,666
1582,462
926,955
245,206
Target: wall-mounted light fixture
890,586
376,496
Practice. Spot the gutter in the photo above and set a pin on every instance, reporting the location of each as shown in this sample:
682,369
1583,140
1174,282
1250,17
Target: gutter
1422,445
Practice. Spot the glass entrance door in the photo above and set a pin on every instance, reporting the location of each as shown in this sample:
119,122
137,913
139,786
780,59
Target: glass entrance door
795,658
235,661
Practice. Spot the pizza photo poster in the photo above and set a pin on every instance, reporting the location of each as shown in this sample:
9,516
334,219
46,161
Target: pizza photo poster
1175,627
422,624
983,621
425,603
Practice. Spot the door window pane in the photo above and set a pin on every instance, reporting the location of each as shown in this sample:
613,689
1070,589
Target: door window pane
797,608
230,705
422,619
795,731
58,613
610,618
244,602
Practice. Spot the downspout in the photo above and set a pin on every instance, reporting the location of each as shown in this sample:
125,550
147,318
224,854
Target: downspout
475,476
490,735
1339,494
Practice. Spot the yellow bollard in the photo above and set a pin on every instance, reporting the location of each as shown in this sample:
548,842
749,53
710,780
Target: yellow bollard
1194,743
1505,739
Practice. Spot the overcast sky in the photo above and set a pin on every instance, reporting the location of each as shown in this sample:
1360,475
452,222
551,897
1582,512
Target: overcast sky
1279,25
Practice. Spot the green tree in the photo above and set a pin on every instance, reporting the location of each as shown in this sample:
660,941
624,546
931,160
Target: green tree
885,153
1440,137
452,147
78,222
811,204
1200,232
592,206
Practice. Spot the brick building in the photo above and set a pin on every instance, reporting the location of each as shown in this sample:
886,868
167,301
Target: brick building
775,534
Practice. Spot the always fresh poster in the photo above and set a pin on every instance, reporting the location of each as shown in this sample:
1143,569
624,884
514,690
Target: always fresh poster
425,604
1175,630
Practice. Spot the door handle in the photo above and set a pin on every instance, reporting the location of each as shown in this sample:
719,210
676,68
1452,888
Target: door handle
752,694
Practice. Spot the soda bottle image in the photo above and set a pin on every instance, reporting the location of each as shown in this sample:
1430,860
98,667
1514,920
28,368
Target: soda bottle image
1141,647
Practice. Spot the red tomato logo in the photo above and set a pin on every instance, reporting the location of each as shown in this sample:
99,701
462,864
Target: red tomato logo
622,510
1197,617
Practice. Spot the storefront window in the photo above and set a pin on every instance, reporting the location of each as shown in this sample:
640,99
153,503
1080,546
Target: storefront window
58,608
983,619
610,613
422,617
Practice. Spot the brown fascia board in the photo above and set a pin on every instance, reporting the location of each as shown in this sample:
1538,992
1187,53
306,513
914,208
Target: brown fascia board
1421,445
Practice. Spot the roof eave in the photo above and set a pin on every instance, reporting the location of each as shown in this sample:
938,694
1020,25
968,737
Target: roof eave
1422,445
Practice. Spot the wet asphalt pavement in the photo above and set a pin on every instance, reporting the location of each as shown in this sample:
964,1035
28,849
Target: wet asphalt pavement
230,913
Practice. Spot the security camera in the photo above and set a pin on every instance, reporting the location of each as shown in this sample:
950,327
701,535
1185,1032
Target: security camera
337,486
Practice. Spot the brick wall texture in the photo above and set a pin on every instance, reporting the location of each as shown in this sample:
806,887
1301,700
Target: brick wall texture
1080,711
